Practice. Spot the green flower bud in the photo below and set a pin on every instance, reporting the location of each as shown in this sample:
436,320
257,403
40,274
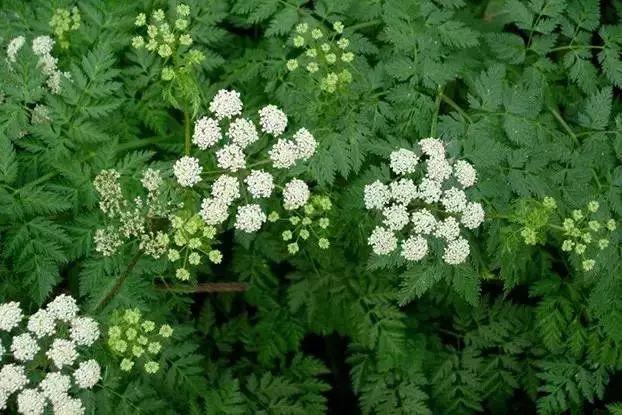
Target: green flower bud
183,10
567,245
209,232
324,223
286,235
588,264
579,249
530,236
594,225
568,224
549,203
165,51
181,24
331,58
577,214
120,346
603,243
126,365
154,347
273,216
158,15
293,248
611,225
194,243
131,333
593,206
194,258
306,221
294,220
338,27
132,315
323,243
152,367
343,43
137,351
304,234
309,209
148,326
166,331
316,34
114,331
152,31
138,42
142,340
182,274
312,67
215,256
347,57
312,53
185,40
587,237
173,255
141,20
292,64
299,41
325,47
302,28
168,73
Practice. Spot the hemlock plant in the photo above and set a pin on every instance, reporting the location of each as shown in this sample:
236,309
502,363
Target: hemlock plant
294,207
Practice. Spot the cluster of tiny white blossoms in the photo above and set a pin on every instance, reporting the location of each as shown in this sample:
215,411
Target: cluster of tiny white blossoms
230,135
423,203
42,48
46,346
129,218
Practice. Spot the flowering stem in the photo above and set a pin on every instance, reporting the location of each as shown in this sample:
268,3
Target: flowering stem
208,287
186,133
119,283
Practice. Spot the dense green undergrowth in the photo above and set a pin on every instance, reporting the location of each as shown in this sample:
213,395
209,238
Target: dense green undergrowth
306,299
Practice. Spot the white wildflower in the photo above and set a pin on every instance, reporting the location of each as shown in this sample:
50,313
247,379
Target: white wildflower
305,143
55,386
465,173
382,241
108,188
242,132
68,406
230,157
249,218
295,194
206,133
30,402
454,200
284,154
456,251
84,331
432,147
448,229
214,211
10,315
414,248
62,352
403,161
24,347
107,241
259,183
151,180
423,222
42,45
272,120
63,308
430,190
187,171
472,215
439,169
13,48
226,104
376,195
87,374
41,324
226,188
395,217
12,378
403,191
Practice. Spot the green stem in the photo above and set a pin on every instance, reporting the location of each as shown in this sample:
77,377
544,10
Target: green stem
186,133
569,47
563,123
207,287
437,107
119,283
456,107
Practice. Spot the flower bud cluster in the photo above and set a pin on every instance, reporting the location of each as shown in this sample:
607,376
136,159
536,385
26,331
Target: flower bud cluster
64,21
40,357
137,341
323,54
424,202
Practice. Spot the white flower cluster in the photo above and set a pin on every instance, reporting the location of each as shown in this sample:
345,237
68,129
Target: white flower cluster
232,134
436,206
42,330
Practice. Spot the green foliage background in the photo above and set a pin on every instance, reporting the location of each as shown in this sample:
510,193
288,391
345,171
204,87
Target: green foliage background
528,91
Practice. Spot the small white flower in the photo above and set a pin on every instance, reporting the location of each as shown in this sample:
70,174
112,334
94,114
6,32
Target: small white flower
260,183
423,222
395,217
13,47
230,157
226,188
403,191
272,120
24,347
68,406
454,200
284,154
242,132
295,194
403,161
151,180
10,315
187,171
30,402
382,241
62,352
249,218
472,215
415,248
84,331
63,308
226,104
465,173
42,45
55,386
87,374
432,147
456,251
439,169
305,143
206,133
376,195
214,211
12,378
430,190
448,229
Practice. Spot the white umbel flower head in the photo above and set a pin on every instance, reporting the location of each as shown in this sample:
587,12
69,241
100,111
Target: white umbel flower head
472,215
395,217
242,132
465,173
14,47
403,161
231,157
226,188
439,169
10,315
187,171
41,324
430,190
283,154
84,331
295,194
206,133
68,406
42,45
272,120
376,195
214,211
63,308
24,347
454,200
423,222
250,218
403,191
226,104
432,147
415,248
259,183
62,352
382,241
87,374
447,229
305,143
30,402
55,386
12,378
456,251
